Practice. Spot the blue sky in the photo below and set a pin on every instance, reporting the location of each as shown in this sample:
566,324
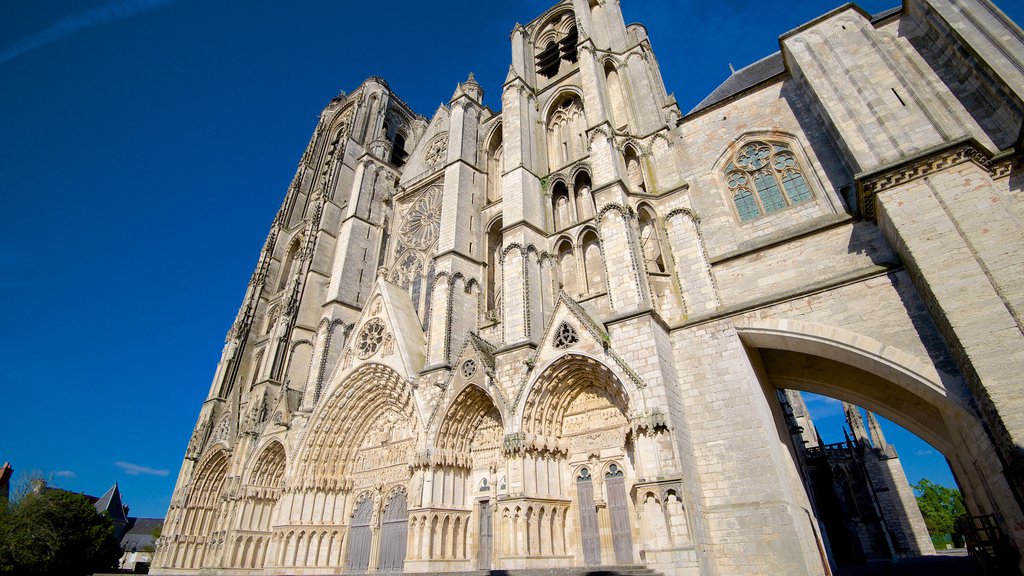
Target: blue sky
145,146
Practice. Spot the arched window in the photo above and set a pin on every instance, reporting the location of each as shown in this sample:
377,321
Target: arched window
494,268
617,97
635,171
561,207
556,41
584,197
288,265
650,241
398,153
495,166
593,267
566,125
765,177
567,265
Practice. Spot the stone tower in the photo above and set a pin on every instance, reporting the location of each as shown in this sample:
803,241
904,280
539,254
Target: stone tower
551,335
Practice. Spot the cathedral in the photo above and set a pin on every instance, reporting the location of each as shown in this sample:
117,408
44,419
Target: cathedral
554,335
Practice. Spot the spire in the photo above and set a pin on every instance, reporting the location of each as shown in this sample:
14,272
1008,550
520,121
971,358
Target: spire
112,505
469,88
877,437
856,422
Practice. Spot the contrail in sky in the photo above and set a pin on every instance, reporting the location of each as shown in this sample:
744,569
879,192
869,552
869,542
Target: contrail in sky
110,12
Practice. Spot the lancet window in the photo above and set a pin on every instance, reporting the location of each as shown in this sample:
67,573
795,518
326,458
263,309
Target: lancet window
566,126
617,96
765,177
635,174
495,166
650,241
494,268
593,264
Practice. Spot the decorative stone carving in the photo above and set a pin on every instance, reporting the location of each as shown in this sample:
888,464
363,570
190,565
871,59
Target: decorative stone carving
422,221
437,151
370,339
565,336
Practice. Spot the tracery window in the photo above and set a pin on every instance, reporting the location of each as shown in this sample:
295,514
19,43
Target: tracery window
565,336
566,125
370,338
765,177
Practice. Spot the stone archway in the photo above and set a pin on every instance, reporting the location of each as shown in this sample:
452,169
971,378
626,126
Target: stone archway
457,476
197,525
573,418
358,447
935,406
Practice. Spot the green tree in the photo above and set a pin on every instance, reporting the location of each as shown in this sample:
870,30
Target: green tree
56,532
941,508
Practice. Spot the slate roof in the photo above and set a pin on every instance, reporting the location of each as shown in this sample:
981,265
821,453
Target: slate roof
111,504
140,534
765,68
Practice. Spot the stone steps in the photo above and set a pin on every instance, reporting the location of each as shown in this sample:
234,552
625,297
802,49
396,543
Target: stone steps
577,571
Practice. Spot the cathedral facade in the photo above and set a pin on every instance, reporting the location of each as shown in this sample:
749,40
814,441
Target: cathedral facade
552,335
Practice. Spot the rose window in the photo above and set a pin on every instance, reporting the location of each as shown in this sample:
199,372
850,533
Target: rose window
468,368
370,338
437,152
423,220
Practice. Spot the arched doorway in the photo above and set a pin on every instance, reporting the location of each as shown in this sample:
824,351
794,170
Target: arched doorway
354,462
937,407
453,525
581,456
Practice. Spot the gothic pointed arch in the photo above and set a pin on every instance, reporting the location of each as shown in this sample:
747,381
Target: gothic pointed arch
367,427
263,484
470,416
196,526
574,396
566,128
593,263
495,164
287,269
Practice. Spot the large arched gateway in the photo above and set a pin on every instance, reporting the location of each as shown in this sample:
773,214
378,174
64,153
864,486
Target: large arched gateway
553,335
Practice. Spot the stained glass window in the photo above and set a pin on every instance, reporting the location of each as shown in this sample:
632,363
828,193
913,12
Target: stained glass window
765,177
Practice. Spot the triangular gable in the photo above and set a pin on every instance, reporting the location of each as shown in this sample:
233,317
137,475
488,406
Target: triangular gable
589,335
388,333
474,365
416,166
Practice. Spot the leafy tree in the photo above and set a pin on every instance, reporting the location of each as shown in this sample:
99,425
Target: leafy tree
56,532
941,508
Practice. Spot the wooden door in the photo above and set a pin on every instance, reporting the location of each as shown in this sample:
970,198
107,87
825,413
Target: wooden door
486,536
358,556
622,538
394,534
589,531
